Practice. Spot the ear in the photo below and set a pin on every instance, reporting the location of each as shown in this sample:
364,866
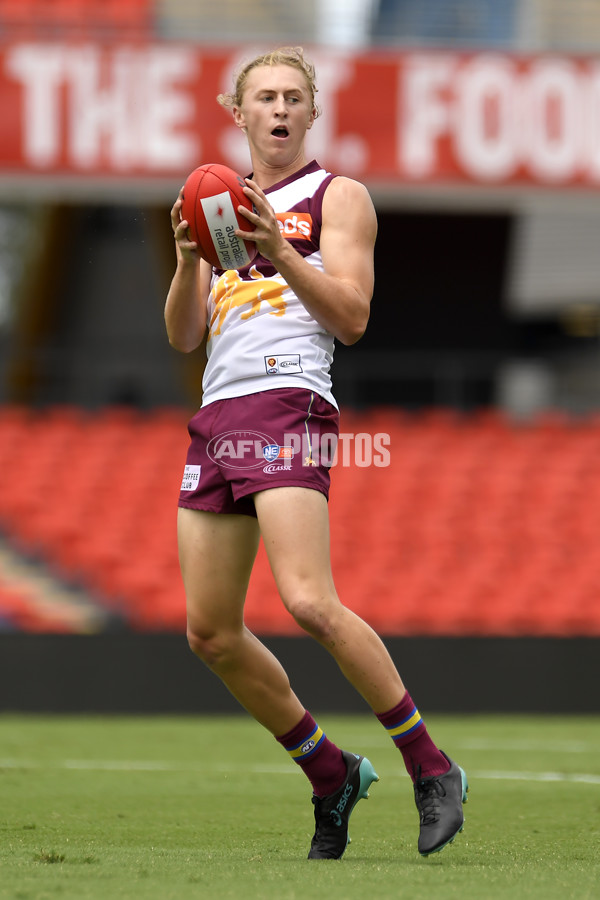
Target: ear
238,118
312,117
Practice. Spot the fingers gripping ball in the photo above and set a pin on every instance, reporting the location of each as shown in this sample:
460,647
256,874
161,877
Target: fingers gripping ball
211,195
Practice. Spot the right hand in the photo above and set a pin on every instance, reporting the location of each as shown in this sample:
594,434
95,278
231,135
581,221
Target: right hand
187,249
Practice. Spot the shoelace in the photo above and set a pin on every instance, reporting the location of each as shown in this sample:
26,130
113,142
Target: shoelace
428,793
323,824
319,817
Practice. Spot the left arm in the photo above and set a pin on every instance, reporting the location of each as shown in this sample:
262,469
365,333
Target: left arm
339,298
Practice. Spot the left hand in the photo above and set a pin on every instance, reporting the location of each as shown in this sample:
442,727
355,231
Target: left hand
267,234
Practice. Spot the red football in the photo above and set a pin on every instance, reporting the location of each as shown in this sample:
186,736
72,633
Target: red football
211,195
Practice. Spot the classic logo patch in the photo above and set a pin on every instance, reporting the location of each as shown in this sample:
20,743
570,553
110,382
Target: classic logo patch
287,364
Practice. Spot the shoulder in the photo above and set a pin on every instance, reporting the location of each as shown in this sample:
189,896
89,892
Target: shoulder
346,199
342,189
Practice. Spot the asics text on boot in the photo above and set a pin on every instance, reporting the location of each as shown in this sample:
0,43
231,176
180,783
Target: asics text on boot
332,812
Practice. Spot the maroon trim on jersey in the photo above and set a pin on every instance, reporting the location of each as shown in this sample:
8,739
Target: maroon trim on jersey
311,205
312,166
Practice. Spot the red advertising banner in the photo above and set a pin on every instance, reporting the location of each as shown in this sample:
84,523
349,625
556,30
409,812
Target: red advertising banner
142,111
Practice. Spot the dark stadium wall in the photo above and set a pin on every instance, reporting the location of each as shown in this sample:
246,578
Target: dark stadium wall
128,673
90,329
438,325
440,281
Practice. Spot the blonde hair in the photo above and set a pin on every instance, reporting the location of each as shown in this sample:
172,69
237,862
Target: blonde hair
284,56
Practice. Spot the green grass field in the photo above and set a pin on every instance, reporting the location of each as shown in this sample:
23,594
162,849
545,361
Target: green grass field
174,808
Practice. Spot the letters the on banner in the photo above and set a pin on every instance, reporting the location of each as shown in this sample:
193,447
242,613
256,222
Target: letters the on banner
103,110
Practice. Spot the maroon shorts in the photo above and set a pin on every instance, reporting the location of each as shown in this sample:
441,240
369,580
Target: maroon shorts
279,438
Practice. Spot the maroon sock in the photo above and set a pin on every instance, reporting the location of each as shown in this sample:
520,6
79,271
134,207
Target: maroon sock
320,759
407,730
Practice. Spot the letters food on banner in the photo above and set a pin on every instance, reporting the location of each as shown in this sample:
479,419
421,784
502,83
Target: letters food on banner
140,111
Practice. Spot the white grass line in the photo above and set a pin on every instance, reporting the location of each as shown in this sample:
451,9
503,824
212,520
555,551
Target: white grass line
106,765
97,765
121,765
528,745
570,777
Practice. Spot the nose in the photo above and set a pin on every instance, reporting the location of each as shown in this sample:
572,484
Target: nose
280,109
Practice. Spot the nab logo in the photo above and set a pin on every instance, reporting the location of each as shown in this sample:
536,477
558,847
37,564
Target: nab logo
275,451
295,225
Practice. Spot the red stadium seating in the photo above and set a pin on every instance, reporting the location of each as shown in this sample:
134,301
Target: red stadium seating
477,527
77,17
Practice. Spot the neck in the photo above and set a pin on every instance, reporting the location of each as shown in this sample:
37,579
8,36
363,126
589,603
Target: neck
267,175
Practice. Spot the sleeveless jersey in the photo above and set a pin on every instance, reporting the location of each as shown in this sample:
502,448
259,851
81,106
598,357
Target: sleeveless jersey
260,336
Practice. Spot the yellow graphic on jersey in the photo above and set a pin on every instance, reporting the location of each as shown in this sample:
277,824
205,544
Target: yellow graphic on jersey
231,292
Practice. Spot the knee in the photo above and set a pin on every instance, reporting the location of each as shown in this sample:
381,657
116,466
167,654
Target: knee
317,617
215,648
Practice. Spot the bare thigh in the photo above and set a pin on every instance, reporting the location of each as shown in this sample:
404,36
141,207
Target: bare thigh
216,554
294,523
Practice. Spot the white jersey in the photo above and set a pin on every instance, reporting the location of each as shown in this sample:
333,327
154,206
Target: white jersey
260,336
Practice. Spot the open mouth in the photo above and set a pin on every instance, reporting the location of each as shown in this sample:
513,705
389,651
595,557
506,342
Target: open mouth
280,132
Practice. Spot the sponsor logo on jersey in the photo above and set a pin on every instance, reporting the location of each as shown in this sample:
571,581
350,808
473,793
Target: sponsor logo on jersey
272,468
275,451
286,364
295,225
191,478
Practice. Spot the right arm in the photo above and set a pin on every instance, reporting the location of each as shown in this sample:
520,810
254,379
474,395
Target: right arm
185,308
